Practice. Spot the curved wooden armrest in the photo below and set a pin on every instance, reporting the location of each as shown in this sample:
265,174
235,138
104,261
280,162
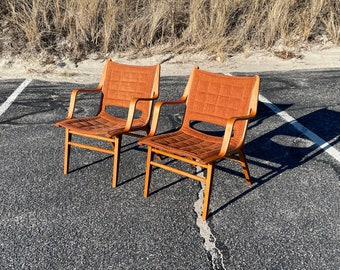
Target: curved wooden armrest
132,108
74,94
229,130
227,136
157,109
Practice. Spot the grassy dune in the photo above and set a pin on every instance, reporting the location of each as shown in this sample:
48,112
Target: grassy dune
75,28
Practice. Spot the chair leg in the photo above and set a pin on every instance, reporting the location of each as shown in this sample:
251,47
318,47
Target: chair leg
245,167
116,157
207,190
148,171
67,150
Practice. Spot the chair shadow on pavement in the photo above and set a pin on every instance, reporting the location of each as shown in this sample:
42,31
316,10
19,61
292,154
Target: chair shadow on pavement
272,152
284,148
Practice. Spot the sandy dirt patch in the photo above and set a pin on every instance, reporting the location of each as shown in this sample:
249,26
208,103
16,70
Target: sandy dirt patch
89,70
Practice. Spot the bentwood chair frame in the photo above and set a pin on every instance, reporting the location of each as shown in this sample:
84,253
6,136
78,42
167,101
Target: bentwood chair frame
227,101
133,88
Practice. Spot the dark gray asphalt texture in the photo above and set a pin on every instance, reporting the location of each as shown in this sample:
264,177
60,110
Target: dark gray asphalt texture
288,219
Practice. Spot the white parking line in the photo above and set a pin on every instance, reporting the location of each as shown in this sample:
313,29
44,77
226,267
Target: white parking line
205,231
14,95
308,133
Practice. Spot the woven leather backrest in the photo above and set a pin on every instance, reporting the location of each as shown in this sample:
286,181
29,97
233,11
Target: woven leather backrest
123,82
214,98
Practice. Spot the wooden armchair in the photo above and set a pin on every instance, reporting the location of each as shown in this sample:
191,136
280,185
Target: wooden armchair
225,101
122,86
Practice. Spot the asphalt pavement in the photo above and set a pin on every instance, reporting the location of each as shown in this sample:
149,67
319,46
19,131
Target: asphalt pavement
288,218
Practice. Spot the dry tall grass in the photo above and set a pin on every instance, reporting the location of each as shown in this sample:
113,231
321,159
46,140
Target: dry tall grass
74,28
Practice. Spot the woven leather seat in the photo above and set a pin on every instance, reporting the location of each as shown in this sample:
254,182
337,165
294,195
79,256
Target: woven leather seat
183,144
102,124
225,101
122,86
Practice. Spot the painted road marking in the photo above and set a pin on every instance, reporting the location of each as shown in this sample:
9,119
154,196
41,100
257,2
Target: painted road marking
308,133
205,231
14,95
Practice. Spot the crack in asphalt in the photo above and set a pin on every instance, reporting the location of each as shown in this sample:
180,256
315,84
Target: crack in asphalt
205,232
